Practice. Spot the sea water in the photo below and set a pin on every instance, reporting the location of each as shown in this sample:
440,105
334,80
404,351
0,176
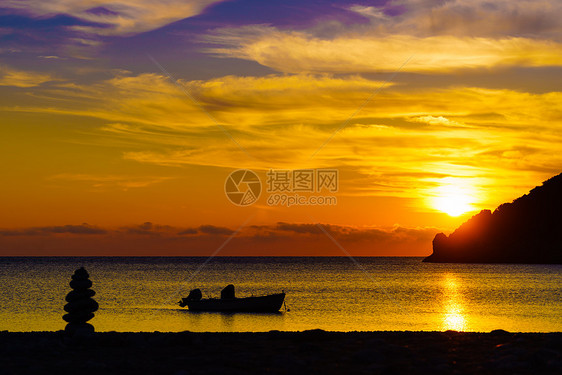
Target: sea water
330,293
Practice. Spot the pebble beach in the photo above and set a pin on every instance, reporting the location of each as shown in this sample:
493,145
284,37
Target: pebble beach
308,352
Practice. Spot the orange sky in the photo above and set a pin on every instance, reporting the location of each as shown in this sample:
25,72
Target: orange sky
425,109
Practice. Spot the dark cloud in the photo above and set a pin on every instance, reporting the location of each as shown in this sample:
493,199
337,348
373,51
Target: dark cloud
24,232
211,229
188,231
148,228
283,231
75,229
350,233
145,228
298,228
70,229
296,239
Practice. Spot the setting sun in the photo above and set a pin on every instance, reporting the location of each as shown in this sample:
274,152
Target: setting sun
453,198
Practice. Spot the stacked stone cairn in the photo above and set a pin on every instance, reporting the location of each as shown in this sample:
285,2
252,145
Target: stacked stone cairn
81,305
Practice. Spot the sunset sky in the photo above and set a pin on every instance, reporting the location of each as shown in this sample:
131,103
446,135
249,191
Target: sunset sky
427,110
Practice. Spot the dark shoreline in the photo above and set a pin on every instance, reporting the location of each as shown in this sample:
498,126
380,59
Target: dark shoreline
274,352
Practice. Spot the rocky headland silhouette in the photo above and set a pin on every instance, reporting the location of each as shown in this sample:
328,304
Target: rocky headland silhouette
528,230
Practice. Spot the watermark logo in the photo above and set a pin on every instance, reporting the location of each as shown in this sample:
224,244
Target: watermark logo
243,187
284,187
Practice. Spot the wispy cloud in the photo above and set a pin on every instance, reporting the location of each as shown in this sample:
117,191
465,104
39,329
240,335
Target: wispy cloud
82,229
499,18
110,181
124,17
21,78
298,52
436,120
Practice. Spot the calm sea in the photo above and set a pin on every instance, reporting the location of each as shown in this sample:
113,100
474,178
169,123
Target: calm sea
141,294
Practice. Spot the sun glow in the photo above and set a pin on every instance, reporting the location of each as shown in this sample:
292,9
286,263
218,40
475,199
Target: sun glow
454,197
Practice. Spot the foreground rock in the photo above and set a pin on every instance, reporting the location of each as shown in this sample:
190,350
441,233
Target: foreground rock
81,306
309,352
528,230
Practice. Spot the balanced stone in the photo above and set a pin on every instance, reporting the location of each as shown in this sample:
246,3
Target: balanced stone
81,305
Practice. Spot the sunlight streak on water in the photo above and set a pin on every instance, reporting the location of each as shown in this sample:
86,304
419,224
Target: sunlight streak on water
453,317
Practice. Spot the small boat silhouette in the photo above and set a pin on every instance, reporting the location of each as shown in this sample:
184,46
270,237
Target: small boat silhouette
229,303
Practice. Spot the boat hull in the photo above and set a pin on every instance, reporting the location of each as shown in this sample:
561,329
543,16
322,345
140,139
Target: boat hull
270,303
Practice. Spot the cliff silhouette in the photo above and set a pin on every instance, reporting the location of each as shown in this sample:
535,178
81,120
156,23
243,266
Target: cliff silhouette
528,230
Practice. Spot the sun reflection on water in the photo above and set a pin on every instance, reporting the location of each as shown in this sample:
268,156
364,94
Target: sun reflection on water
453,311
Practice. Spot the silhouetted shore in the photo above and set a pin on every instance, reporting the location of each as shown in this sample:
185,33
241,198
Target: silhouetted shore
525,231
274,352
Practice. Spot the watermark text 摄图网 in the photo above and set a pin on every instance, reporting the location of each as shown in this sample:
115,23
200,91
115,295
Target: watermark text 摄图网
302,180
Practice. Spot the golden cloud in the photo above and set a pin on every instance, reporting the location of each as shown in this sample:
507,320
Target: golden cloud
401,136
20,78
436,120
296,52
